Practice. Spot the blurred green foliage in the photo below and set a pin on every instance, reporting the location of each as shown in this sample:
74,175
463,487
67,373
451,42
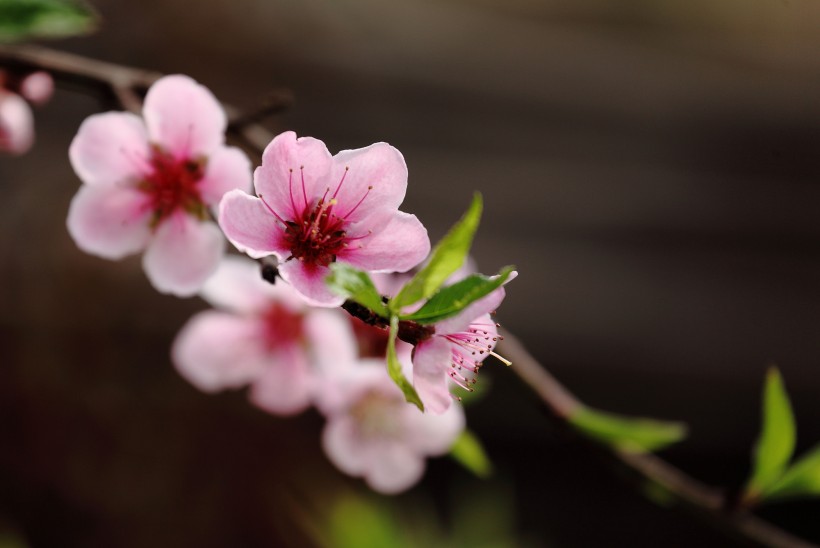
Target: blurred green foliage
22,20
633,435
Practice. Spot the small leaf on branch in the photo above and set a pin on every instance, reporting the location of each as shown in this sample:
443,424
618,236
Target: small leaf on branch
357,286
447,257
801,480
394,367
775,445
468,451
30,19
633,435
452,299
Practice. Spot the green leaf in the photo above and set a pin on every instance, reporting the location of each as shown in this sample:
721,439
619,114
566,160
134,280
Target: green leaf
447,257
363,523
452,299
634,435
775,445
468,451
355,285
394,367
802,479
28,19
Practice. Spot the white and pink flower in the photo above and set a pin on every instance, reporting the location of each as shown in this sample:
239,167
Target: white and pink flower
373,433
16,119
313,209
261,335
149,184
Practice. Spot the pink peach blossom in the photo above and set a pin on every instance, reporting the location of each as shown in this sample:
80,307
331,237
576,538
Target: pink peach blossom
261,335
149,184
455,351
313,209
37,87
372,432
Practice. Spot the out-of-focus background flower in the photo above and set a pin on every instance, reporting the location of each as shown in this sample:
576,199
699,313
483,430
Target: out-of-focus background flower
653,169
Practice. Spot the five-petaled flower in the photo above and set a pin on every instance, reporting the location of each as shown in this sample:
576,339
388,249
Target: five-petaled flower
372,432
455,351
149,185
313,209
261,335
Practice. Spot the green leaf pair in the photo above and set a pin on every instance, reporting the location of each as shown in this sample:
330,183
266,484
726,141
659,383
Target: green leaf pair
30,19
632,435
772,478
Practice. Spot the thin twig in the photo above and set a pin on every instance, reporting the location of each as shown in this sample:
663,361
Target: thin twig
127,85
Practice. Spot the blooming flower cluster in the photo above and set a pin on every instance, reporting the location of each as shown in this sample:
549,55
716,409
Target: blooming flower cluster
157,183
16,119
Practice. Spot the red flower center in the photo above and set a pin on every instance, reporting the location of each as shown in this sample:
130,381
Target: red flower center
283,327
172,185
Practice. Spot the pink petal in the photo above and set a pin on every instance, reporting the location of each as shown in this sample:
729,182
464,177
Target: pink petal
282,188
285,386
237,285
331,339
376,173
394,468
309,281
434,434
184,117
216,351
227,169
109,221
397,247
37,87
183,253
16,124
110,148
342,444
249,226
431,361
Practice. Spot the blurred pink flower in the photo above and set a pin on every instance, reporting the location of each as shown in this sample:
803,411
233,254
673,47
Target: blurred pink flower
314,209
148,184
372,432
456,350
37,87
262,335
16,124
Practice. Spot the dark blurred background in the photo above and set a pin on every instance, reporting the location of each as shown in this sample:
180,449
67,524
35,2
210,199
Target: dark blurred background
652,168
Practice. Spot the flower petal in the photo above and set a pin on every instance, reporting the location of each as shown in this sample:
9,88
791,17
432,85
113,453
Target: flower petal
394,468
399,246
237,285
431,361
16,124
249,226
184,117
331,339
309,281
434,434
342,444
215,351
227,169
110,148
485,305
282,188
183,253
109,221
285,387
375,175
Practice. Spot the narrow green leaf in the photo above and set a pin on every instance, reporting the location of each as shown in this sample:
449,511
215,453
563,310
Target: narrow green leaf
468,451
394,367
355,285
452,299
28,19
801,479
447,257
635,435
775,445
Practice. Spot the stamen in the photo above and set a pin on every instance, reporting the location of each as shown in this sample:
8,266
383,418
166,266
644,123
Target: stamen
355,207
340,182
261,197
304,191
290,191
502,359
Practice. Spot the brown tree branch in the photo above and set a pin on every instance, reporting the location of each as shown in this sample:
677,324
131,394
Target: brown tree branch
126,86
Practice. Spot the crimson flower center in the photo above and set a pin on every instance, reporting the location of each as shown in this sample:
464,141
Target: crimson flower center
173,185
283,327
318,236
